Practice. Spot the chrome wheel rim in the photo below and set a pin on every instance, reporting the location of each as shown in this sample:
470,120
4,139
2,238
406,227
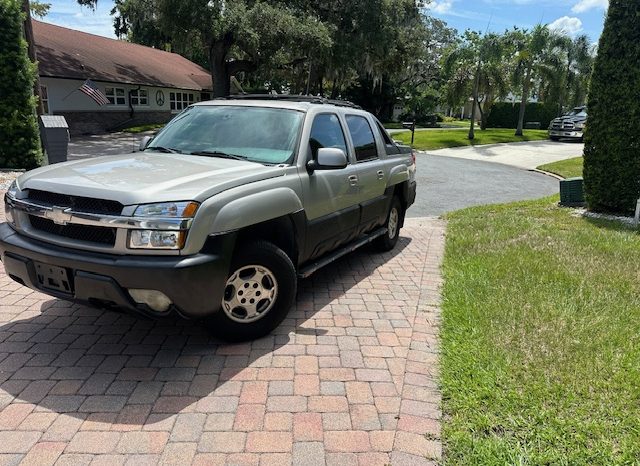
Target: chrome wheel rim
249,294
392,227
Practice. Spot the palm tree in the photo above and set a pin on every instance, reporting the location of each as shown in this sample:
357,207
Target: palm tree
475,64
530,58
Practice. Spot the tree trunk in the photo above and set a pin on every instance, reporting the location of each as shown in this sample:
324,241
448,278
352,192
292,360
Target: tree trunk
31,48
219,72
523,101
476,86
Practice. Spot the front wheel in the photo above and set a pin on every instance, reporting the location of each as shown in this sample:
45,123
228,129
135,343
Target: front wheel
389,240
260,290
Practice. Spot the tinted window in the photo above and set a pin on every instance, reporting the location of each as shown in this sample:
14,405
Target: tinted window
326,132
362,136
385,136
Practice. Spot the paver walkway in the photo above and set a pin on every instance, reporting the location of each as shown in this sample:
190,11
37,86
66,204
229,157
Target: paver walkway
349,378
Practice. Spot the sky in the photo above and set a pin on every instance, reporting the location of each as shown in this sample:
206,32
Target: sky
572,16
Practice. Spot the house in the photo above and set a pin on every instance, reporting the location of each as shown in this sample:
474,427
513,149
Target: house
142,84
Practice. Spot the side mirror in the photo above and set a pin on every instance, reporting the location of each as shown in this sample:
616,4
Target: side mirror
144,142
329,158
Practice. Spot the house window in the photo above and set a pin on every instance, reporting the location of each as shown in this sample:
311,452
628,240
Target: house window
139,97
44,98
180,100
115,95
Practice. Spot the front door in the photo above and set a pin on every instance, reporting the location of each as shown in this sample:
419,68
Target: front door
331,196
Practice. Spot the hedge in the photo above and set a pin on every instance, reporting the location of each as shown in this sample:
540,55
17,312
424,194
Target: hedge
19,136
612,136
505,114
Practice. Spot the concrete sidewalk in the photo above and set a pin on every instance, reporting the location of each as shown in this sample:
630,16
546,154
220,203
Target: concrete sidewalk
526,155
97,145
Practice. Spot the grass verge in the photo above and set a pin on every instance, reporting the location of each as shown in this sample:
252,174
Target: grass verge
564,168
440,139
142,128
541,338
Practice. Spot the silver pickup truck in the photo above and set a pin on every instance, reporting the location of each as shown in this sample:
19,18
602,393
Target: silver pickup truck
216,217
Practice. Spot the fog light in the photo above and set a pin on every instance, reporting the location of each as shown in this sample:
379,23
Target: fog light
156,300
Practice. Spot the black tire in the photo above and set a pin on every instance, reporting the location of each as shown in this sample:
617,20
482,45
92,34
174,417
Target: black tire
389,240
554,138
227,324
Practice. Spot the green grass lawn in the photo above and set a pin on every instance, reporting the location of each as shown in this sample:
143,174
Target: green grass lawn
143,128
456,123
540,338
439,139
565,168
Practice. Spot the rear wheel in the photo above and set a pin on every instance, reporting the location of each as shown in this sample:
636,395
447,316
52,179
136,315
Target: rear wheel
258,294
389,240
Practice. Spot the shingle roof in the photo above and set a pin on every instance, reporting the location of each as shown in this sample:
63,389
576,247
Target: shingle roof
66,53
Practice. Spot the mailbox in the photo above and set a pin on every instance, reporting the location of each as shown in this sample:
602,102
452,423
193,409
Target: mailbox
54,132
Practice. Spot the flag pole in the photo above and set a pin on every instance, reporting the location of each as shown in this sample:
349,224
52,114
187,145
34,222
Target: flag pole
65,97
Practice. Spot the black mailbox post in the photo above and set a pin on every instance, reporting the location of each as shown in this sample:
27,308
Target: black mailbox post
410,125
54,132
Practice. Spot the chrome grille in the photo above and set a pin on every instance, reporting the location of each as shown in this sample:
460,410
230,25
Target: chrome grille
91,234
77,203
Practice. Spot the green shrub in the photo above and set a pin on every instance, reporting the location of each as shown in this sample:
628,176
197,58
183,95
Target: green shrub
19,137
612,138
505,114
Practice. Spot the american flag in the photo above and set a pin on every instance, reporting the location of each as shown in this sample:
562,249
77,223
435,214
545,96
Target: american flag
89,88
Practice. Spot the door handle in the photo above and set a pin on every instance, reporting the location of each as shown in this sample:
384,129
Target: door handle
353,180
380,174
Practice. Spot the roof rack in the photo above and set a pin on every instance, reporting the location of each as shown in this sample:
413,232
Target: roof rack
294,98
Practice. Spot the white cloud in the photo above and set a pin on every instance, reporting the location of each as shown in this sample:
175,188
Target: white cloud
441,6
568,25
586,5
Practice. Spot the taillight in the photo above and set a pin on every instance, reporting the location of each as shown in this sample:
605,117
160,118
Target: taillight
413,156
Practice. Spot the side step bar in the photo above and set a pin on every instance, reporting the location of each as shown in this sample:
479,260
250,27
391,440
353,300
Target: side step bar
338,253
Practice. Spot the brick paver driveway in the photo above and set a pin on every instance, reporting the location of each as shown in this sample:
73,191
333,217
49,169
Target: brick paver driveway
347,379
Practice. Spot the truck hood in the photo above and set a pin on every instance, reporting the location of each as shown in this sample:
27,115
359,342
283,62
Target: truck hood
147,177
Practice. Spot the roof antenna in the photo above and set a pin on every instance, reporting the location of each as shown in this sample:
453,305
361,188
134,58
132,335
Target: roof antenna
489,23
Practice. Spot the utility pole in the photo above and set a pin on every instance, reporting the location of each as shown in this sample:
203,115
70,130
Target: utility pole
28,35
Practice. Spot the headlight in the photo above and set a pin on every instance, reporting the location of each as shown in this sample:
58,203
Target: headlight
580,125
12,193
162,239
167,209
13,190
156,239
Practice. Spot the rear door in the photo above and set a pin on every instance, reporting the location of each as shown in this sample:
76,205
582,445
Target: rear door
372,173
330,196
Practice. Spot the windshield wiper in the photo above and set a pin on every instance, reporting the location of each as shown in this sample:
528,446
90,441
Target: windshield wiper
166,150
215,153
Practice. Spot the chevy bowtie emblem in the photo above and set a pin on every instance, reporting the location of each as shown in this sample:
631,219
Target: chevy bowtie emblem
59,215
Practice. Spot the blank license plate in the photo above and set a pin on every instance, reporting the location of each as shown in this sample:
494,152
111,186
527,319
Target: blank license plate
53,278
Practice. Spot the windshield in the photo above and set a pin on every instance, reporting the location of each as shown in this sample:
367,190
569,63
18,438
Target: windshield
578,111
264,135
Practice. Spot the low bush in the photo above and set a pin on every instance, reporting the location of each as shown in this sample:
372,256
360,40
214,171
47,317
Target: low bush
505,114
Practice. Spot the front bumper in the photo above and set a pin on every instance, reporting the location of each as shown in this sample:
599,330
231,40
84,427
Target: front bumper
194,284
566,133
